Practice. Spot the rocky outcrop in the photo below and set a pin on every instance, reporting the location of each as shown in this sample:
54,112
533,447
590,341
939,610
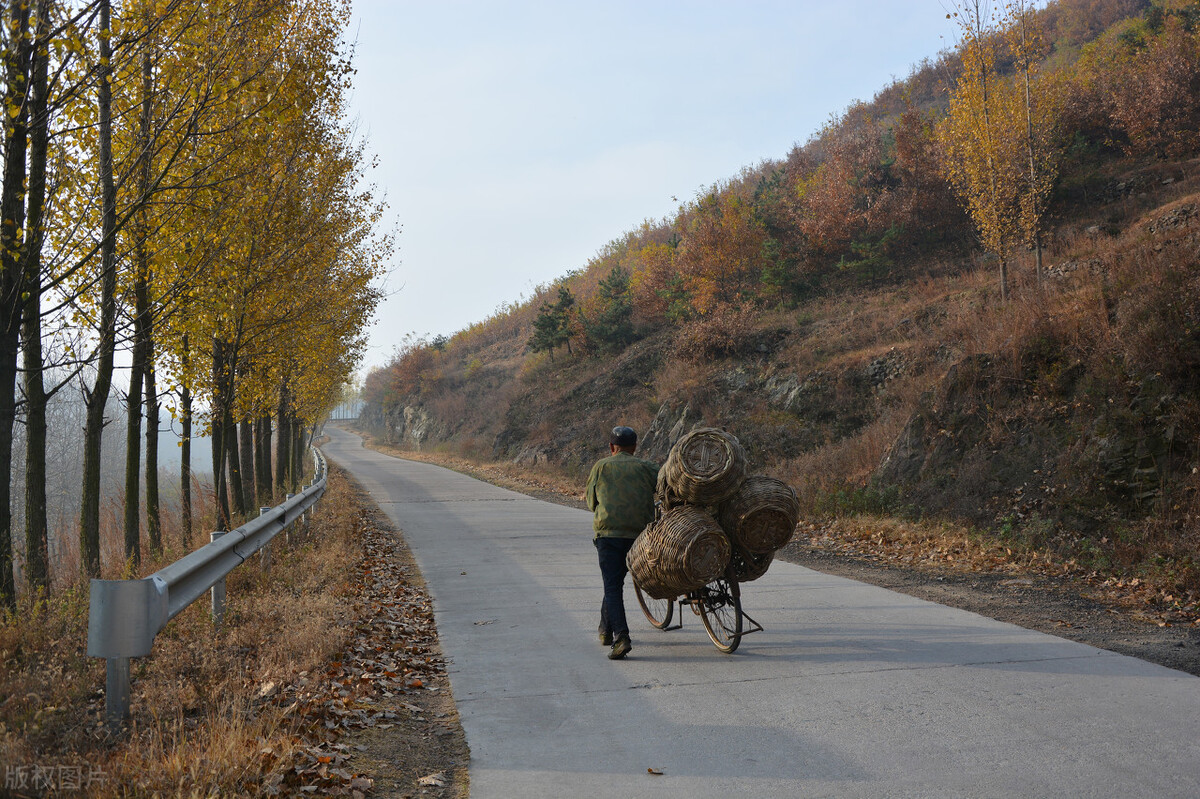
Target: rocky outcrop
810,397
405,424
947,422
669,425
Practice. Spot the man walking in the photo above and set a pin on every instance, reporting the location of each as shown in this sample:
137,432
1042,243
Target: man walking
620,492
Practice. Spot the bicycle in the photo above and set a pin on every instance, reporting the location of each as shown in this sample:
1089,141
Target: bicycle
718,604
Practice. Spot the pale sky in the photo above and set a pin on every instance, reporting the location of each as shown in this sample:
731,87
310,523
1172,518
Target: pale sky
515,139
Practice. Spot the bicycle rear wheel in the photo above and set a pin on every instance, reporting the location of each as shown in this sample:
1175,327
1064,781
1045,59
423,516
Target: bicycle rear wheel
721,612
658,611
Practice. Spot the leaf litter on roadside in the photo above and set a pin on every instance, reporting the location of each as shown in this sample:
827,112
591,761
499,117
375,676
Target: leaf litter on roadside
887,542
392,652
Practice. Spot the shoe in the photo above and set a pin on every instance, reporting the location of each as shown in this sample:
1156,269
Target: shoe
606,637
620,649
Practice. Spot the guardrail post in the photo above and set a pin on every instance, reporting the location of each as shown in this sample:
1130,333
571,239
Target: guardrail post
116,691
218,590
123,618
288,498
265,552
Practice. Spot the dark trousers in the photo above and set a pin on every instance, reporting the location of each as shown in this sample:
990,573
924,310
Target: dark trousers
612,552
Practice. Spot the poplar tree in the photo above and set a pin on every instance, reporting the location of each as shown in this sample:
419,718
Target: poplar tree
1038,101
996,136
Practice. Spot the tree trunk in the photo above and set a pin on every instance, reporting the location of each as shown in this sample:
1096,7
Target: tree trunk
246,442
232,457
145,332
217,432
12,221
283,440
133,429
262,459
153,517
297,454
1035,212
97,397
37,571
185,454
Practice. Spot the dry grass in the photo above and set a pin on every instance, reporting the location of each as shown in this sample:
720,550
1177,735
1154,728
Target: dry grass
940,544
202,721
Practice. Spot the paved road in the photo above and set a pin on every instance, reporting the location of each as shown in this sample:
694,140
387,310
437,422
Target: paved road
852,690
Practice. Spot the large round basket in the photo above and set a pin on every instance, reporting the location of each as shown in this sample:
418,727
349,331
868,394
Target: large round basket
762,515
664,497
748,567
705,467
682,551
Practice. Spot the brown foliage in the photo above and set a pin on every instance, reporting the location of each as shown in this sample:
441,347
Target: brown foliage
725,332
924,201
653,283
1138,90
721,255
1157,99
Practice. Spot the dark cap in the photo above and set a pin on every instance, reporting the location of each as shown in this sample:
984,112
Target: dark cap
623,437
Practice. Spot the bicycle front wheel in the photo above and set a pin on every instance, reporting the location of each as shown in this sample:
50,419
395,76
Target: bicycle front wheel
721,612
658,611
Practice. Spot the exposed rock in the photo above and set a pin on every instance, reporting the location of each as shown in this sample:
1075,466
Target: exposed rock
781,390
416,423
738,379
668,427
413,425
531,456
1175,218
810,397
407,424
885,368
942,426
1093,266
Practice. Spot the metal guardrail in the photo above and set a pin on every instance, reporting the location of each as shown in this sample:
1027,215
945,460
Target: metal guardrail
124,616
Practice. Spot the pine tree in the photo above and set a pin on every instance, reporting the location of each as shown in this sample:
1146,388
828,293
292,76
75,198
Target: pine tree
611,330
552,326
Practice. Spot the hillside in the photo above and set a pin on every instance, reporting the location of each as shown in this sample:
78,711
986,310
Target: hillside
840,312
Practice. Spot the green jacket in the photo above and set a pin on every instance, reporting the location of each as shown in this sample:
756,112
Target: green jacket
620,492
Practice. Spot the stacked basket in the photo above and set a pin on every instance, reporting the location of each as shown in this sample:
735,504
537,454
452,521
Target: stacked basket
711,515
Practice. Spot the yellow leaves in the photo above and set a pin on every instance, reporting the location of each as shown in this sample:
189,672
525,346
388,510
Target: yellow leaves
255,230
997,136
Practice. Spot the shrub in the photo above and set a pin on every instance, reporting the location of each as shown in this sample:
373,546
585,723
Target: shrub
725,332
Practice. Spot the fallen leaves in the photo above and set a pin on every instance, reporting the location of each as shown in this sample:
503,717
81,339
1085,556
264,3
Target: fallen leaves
392,652
437,780
937,548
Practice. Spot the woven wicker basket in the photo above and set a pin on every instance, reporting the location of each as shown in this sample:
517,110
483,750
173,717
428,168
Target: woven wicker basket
705,467
664,497
762,515
680,552
748,567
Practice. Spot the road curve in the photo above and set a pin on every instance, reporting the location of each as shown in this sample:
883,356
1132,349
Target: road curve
852,690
